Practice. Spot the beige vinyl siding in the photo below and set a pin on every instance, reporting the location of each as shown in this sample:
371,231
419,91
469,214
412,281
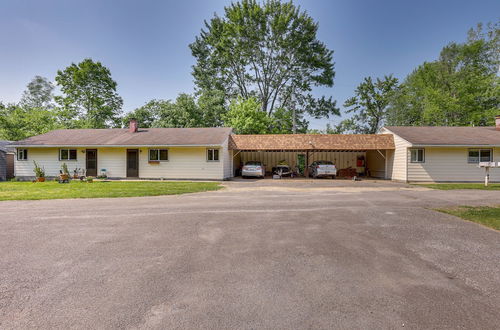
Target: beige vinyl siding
396,161
389,163
48,158
449,164
113,160
183,163
399,165
227,159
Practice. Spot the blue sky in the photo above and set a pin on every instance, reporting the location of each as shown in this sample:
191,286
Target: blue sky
145,43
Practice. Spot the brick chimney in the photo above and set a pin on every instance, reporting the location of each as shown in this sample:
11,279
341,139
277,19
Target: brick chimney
497,122
132,126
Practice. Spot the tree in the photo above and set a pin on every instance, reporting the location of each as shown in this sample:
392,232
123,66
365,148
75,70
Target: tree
460,88
283,122
369,105
246,117
184,112
90,99
38,94
212,108
17,123
33,115
267,51
146,116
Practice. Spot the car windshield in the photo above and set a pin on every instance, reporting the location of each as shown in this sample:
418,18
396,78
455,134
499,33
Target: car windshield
254,163
324,162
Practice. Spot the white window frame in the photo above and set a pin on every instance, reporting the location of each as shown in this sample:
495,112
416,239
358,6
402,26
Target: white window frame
417,160
212,152
68,159
479,155
24,153
159,152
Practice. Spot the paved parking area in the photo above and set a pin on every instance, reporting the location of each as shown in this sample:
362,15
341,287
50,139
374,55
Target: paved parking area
260,254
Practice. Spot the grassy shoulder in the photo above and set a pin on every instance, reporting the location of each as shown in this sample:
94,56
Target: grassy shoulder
99,189
486,215
452,186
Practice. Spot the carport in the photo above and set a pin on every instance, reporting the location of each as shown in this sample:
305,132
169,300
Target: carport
366,154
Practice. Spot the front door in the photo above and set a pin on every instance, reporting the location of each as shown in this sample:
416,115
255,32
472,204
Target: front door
91,163
132,163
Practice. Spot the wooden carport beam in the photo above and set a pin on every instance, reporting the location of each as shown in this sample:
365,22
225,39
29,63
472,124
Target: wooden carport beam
381,154
236,154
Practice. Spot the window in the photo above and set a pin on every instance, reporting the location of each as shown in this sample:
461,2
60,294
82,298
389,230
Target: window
22,154
480,155
417,155
157,155
67,154
213,155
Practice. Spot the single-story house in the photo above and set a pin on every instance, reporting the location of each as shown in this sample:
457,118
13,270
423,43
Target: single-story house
443,154
6,160
398,153
147,153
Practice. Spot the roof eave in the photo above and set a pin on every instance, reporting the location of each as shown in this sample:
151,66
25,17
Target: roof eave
456,145
111,145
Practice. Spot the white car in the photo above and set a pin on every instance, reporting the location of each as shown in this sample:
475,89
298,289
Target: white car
322,168
253,169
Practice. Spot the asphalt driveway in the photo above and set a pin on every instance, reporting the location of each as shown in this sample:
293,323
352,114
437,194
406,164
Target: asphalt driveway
259,254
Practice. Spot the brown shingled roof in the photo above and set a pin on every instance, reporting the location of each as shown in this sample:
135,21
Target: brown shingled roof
312,142
122,137
446,135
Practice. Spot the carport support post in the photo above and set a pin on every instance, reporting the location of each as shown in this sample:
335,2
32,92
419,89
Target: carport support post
306,169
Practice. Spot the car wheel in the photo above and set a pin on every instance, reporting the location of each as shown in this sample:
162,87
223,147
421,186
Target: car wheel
333,177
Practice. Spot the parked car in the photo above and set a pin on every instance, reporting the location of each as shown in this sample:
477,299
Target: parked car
253,169
283,170
322,168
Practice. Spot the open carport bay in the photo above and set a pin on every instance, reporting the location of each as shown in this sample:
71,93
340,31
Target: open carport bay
365,155
365,163
267,254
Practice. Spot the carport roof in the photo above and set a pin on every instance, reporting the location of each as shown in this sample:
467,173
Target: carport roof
312,142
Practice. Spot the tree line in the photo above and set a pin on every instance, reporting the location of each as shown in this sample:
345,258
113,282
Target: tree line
460,88
256,69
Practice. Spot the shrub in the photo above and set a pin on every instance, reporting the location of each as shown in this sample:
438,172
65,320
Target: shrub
64,169
39,171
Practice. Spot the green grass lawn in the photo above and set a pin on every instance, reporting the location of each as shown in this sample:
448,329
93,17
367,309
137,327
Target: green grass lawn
485,215
451,186
77,189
